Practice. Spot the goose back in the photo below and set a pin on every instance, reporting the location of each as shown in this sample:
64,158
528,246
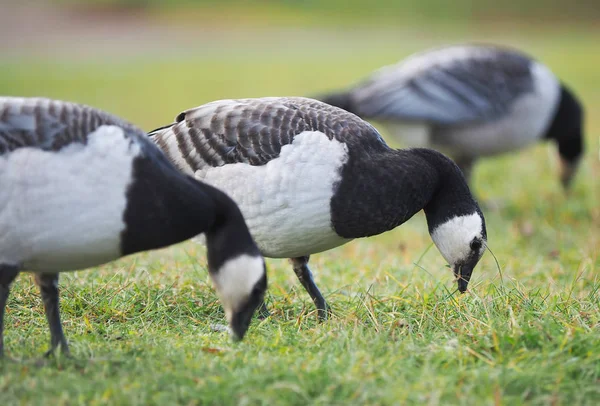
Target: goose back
253,131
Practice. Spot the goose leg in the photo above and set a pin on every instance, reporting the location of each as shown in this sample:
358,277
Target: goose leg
304,274
48,283
8,274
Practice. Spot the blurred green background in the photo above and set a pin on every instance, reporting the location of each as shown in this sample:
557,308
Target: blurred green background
148,59
388,11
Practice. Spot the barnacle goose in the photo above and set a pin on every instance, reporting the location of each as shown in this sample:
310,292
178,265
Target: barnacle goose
81,187
309,177
471,101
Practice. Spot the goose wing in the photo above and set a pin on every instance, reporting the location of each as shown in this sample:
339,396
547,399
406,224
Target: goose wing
50,124
447,86
253,131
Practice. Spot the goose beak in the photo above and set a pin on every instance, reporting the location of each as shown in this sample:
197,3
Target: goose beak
240,321
463,274
567,170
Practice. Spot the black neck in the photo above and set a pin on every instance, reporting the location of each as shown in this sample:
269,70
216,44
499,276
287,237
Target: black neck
166,207
377,193
228,236
451,196
566,128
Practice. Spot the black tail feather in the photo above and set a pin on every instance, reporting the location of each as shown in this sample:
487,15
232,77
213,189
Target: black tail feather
338,99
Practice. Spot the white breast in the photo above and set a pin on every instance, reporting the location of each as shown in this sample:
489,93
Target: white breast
64,210
286,202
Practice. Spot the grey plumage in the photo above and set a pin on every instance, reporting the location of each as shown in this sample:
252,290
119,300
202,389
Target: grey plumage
253,131
51,124
445,90
470,101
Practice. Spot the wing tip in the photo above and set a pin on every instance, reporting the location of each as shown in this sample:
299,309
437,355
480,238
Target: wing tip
159,129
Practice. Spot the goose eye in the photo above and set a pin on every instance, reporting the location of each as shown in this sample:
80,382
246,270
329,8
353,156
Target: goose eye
475,245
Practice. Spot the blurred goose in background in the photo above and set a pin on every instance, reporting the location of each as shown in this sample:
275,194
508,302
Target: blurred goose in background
309,177
471,101
81,187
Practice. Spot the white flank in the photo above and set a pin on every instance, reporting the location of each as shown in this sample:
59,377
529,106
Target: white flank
235,280
286,203
453,238
63,210
526,122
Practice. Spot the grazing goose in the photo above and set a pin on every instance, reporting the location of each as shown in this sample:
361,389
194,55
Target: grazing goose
471,101
81,187
309,177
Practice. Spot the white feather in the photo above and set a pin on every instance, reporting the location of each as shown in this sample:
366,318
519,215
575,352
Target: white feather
453,237
286,201
63,210
235,280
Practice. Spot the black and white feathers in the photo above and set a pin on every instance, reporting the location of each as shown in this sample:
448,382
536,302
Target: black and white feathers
471,101
309,177
81,187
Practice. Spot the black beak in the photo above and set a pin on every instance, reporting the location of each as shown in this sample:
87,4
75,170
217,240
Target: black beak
240,322
567,172
241,319
463,275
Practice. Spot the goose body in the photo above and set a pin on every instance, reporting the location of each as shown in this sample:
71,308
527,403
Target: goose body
309,177
283,199
470,101
81,188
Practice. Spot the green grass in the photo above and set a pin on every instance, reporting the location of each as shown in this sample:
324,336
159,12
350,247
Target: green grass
140,328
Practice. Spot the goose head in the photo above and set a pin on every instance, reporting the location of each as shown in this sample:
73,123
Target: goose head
566,129
235,265
461,240
241,283
456,223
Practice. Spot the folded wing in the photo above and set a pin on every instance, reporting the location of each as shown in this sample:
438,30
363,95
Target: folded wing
252,131
449,86
50,124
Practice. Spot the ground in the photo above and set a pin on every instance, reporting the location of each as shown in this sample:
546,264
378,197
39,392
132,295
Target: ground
140,328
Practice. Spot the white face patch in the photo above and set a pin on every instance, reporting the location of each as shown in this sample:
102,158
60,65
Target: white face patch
235,280
453,238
